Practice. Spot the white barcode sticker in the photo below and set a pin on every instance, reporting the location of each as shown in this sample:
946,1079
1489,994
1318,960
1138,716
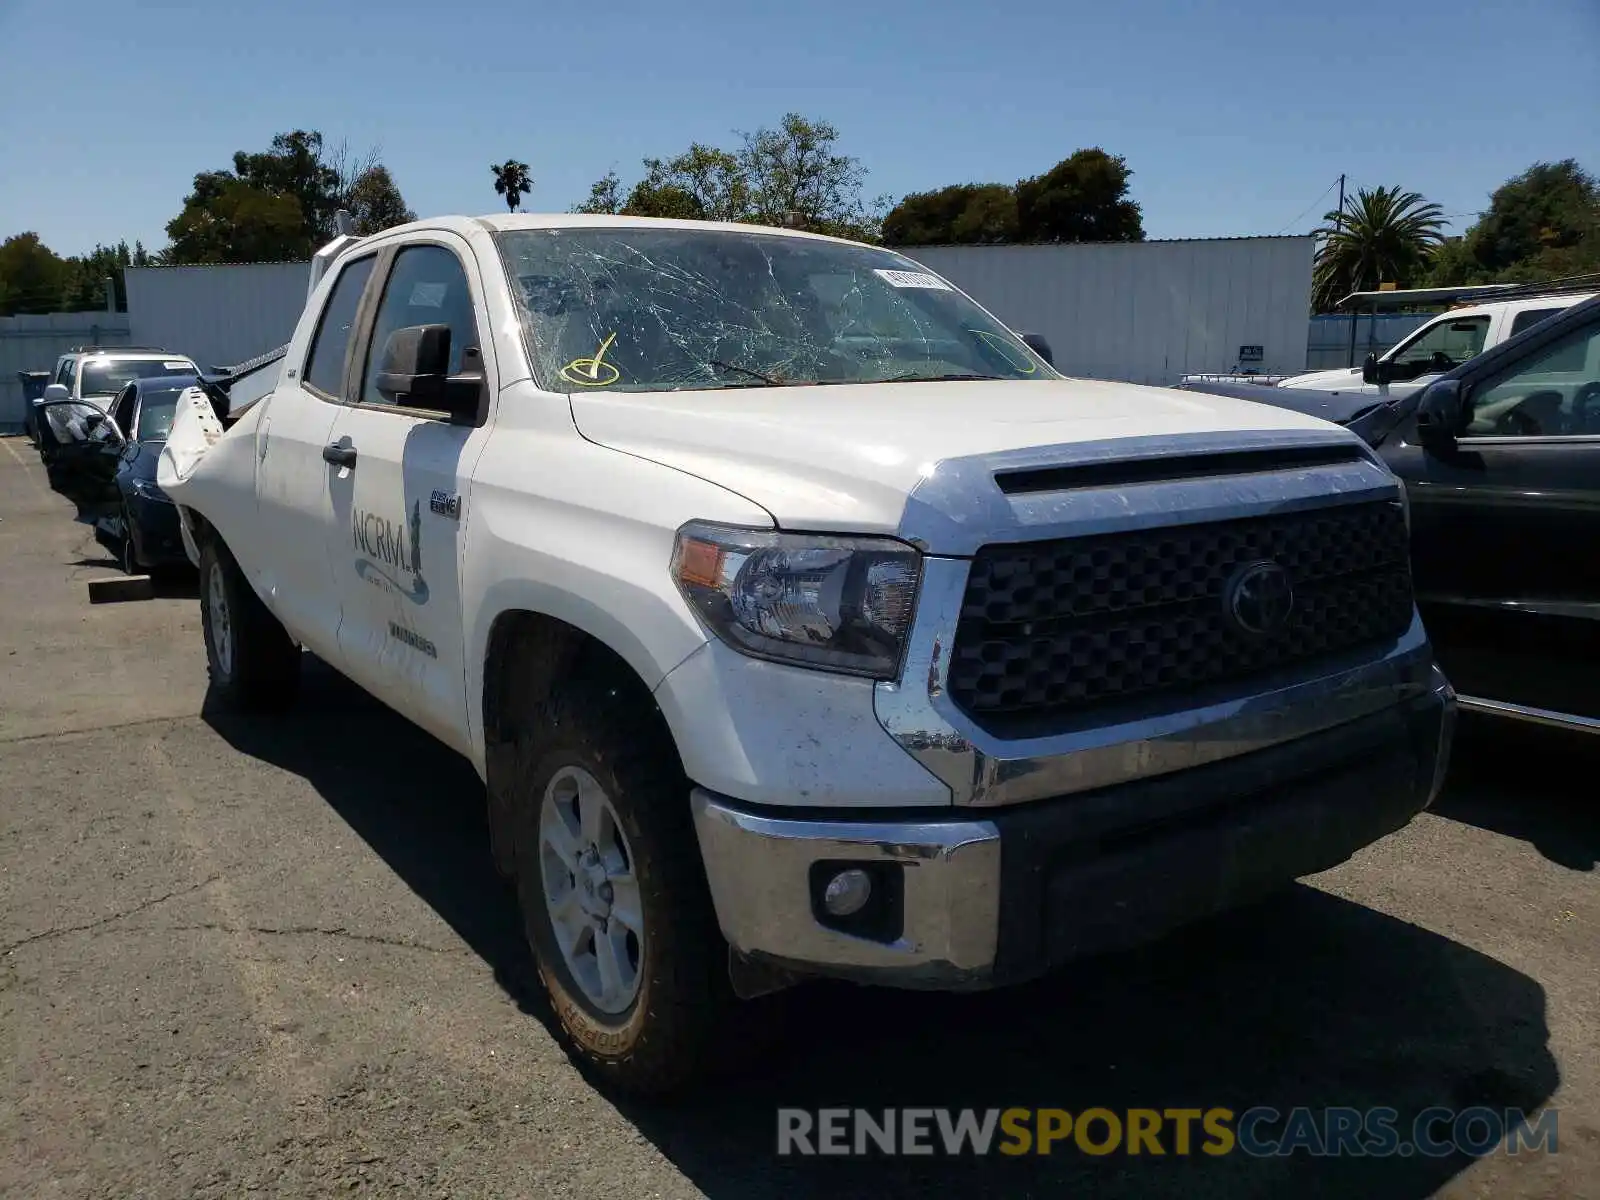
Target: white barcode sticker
912,279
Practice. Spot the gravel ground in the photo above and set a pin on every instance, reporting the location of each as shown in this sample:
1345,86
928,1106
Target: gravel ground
273,958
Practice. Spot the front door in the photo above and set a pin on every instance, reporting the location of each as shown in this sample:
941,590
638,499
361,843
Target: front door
398,508
1504,530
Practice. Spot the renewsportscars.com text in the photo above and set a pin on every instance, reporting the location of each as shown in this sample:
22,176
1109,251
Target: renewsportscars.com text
1259,1132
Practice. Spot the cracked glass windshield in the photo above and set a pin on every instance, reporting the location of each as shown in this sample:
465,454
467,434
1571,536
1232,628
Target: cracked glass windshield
651,309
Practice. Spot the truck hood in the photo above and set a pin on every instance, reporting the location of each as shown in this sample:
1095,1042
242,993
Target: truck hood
846,457
1339,377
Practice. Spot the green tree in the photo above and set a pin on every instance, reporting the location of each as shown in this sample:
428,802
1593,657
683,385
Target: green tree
296,164
1542,224
605,196
963,214
703,183
1083,198
789,175
1384,235
375,203
794,174
280,204
228,220
32,276
512,181
87,273
673,201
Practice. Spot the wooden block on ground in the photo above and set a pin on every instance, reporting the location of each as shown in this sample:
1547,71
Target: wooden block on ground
119,588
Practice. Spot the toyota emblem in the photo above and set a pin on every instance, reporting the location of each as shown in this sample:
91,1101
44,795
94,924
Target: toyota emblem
1259,598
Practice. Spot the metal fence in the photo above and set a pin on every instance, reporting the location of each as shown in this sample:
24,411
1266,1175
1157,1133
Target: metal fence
33,343
1328,344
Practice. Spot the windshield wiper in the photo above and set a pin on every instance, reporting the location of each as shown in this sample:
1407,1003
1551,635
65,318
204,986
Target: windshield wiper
918,377
769,380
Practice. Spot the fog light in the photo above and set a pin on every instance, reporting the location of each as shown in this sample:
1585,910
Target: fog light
847,892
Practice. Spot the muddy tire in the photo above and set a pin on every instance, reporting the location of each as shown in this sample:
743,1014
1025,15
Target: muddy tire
613,896
253,663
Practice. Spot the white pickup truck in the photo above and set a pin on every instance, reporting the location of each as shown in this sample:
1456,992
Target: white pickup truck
800,618
1439,345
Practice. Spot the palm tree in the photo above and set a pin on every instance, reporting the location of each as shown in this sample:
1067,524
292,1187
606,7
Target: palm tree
1381,236
511,180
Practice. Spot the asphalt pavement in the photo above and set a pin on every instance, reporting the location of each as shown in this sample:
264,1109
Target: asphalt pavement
271,957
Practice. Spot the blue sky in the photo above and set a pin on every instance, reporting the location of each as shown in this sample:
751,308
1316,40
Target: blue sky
1233,116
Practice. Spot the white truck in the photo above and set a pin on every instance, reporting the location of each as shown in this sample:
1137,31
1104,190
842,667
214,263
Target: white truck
800,618
1441,344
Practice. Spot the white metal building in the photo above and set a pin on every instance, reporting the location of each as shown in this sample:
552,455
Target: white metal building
33,343
217,315
1147,312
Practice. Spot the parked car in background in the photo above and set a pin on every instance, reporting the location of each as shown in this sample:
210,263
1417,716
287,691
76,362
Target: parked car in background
69,428
144,527
113,477
1501,460
1445,342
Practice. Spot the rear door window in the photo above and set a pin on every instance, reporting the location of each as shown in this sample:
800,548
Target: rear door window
324,371
1532,317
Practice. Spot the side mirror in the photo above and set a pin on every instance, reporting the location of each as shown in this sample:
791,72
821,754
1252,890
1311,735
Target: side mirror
1039,346
1373,370
54,392
1439,416
414,365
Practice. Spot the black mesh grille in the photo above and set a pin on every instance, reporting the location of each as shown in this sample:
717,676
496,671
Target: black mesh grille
1054,627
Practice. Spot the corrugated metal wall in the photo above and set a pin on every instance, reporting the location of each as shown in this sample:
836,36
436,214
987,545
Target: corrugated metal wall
217,315
33,343
1146,312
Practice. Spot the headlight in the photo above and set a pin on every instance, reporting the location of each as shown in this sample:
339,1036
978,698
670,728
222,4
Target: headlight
834,603
147,489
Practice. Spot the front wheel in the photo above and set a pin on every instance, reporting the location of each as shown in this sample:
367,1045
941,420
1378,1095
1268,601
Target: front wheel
253,662
613,896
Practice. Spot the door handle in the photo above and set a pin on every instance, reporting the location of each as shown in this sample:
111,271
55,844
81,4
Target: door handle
339,456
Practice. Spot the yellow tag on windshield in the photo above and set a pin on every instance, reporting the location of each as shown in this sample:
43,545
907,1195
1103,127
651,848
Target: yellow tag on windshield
592,372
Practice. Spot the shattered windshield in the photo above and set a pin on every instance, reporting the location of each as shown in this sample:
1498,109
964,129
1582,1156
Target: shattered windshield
661,309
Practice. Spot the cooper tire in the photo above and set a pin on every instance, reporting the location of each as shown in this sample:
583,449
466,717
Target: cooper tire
675,1027
252,661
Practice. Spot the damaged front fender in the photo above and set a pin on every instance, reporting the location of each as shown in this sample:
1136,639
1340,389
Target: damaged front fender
216,486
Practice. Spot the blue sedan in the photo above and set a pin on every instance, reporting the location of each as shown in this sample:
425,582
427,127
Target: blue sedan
143,523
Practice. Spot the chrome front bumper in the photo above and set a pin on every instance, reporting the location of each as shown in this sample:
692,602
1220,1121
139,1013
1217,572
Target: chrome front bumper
1002,896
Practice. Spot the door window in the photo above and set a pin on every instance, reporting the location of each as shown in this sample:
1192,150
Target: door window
1440,347
427,286
1554,393
324,371
1531,316
122,410
64,373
